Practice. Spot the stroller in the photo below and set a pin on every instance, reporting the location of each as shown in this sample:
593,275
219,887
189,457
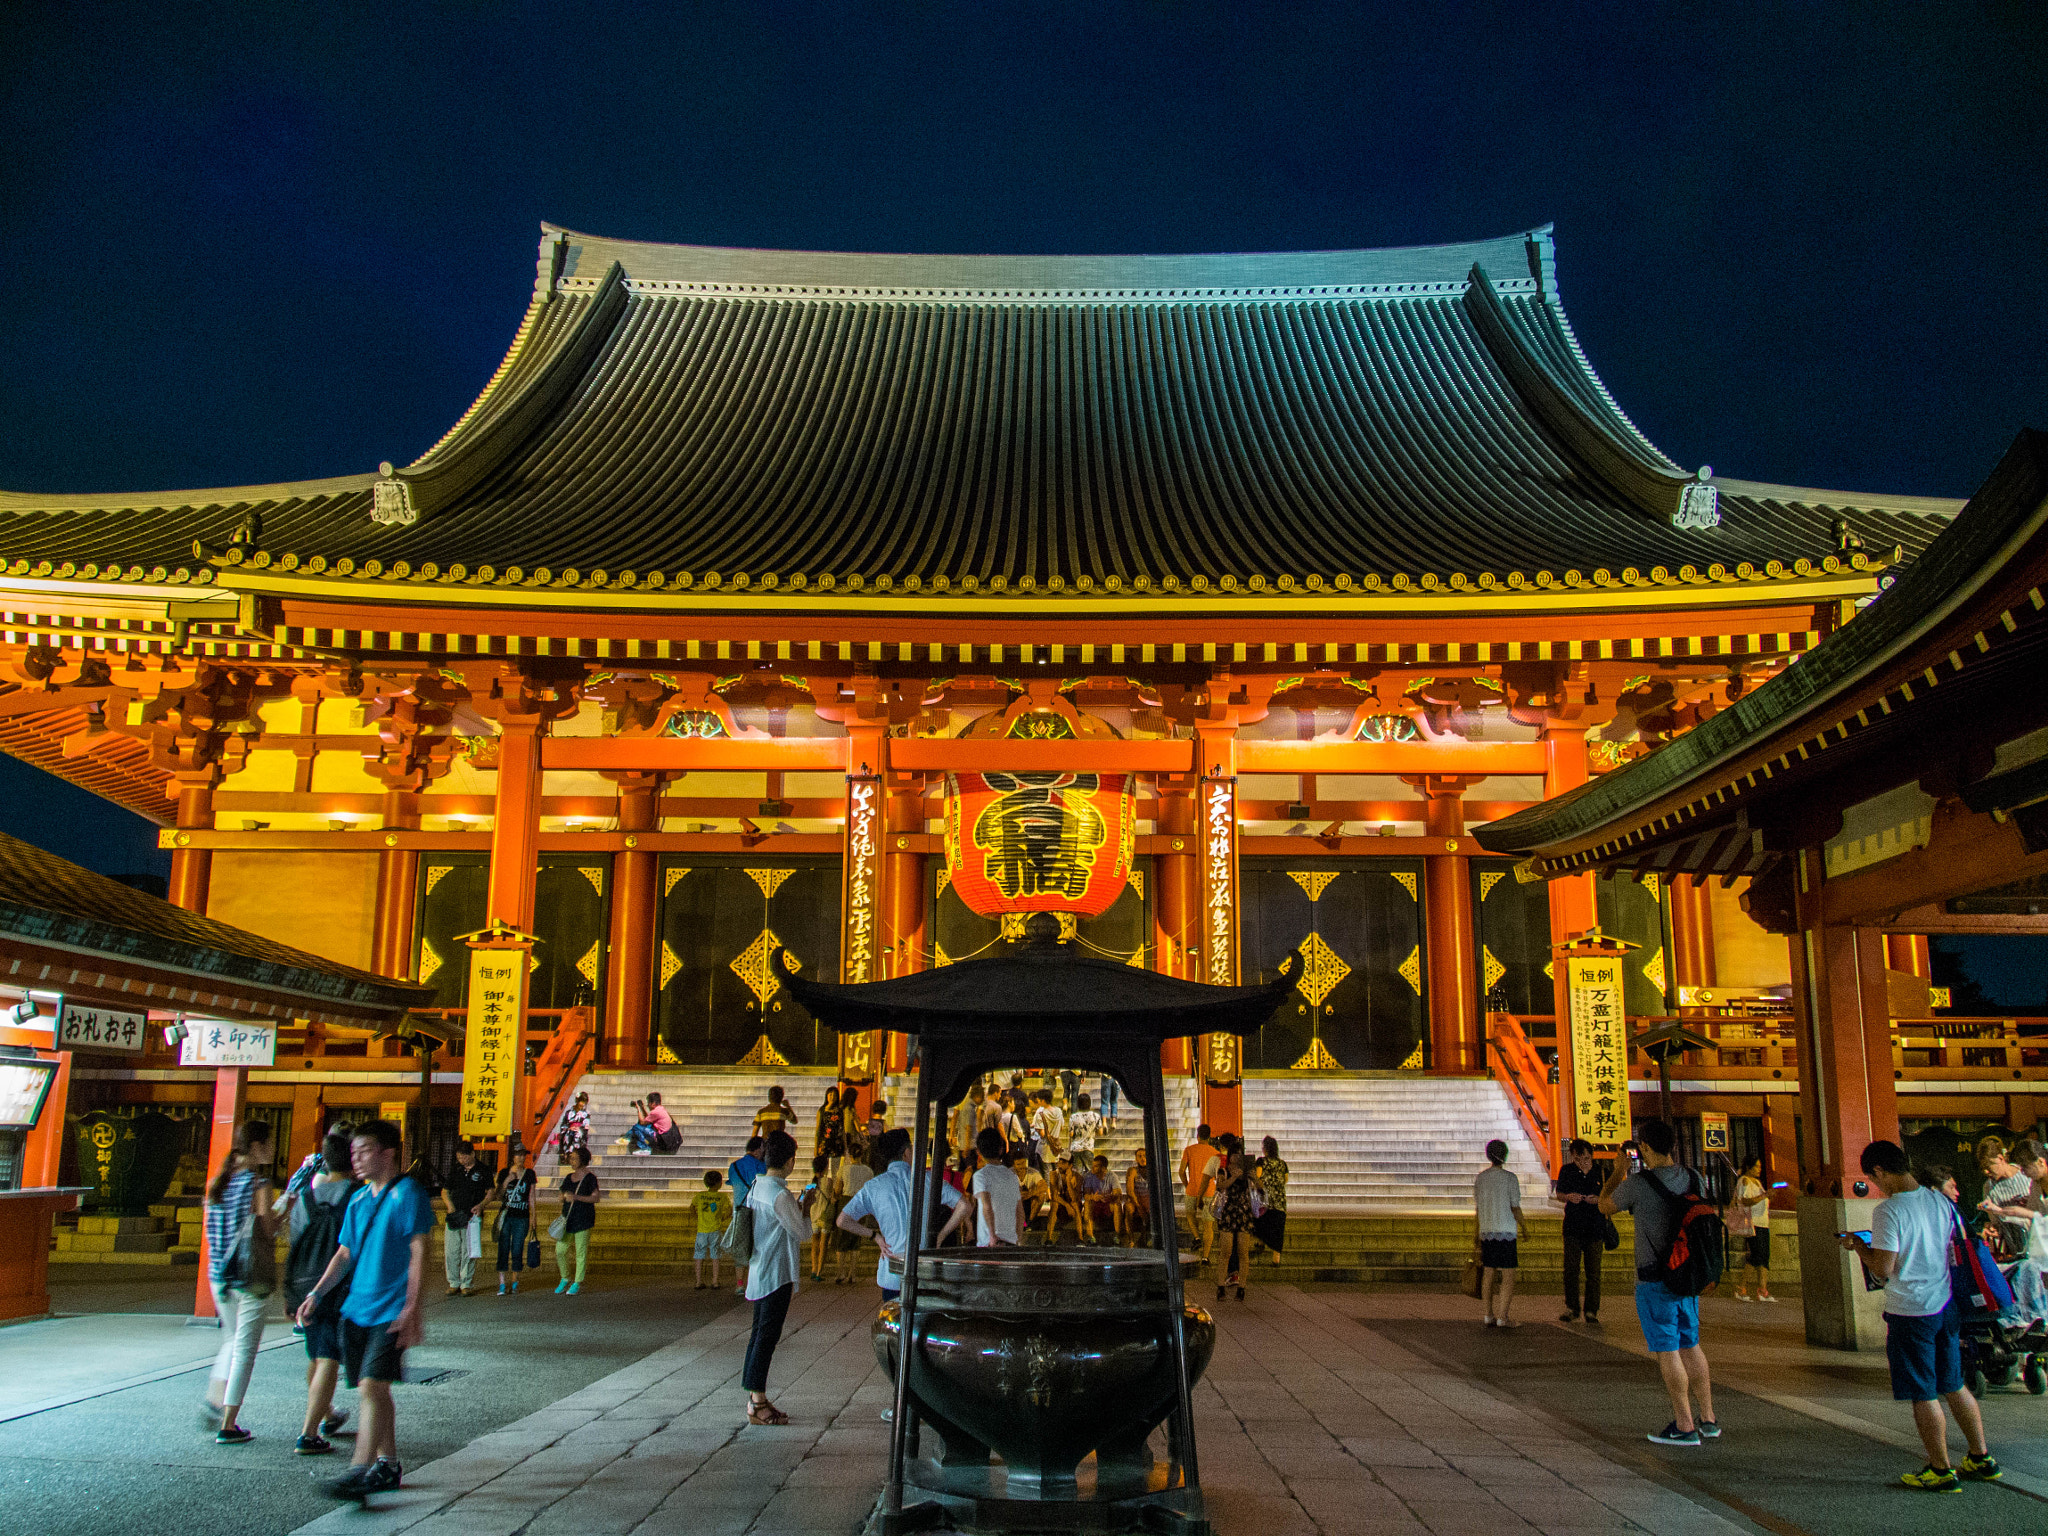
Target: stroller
2013,1346
1995,1354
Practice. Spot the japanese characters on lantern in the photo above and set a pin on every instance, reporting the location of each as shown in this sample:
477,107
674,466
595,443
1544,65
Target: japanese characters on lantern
1599,1048
1039,842
490,1056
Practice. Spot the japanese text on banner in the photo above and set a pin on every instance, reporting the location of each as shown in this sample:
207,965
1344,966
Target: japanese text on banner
1599,1049
490,1060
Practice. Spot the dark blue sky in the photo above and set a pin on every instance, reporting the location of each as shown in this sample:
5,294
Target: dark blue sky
247,243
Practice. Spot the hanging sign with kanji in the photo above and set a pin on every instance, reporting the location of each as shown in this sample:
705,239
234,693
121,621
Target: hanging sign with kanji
490,1055
1218,941
1039,842
84,1028
224,1043
1599,1048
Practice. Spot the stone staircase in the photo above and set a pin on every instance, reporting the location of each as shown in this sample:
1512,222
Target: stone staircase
1386,1146
714,1109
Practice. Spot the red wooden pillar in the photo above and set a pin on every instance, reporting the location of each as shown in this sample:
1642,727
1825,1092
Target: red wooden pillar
230,1096
1449,935
629,971
1574,908
192,868
398,881
1175,905
515,855
1692,934
1908,952
902,902
1218,912
1847,1097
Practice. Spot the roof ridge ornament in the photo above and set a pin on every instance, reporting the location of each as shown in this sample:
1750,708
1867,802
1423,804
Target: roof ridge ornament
391,499
1699,503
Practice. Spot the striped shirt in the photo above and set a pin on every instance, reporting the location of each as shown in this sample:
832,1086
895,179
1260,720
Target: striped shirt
224,1221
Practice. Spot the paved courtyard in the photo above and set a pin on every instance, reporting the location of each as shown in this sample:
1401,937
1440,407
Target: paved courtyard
1329,1410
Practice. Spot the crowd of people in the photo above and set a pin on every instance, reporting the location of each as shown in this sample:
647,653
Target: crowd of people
1014,1164
1917,1249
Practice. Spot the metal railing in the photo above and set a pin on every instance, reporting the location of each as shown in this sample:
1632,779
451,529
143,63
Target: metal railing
1525,1075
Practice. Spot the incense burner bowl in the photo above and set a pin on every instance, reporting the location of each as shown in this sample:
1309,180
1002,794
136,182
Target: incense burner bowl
1044,1356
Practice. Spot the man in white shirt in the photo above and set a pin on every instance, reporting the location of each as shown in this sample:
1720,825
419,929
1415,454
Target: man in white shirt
886,1198
1050,1126
1497,1203
998,1197
1083,1126
1908,1249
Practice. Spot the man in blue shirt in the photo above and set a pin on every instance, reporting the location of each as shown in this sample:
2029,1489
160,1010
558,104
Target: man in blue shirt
384,1238
886,1198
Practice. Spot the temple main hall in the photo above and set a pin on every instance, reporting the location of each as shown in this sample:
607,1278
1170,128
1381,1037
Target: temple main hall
755,587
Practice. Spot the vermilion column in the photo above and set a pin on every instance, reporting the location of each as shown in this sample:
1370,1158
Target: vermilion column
1574,908
629,970
1450,936
1175,903
192,868
1908,952
230,1095
1692,935
398,877
1846,1094
902,903
515,824
515,851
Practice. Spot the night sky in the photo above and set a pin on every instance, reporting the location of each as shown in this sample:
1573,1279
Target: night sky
249,243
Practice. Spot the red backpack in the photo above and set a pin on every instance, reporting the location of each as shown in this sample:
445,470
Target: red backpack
1692,1264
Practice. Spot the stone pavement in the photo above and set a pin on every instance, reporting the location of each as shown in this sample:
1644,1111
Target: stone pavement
1308,1421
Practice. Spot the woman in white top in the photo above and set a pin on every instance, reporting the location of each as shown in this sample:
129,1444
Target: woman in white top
1756,1248
780,1228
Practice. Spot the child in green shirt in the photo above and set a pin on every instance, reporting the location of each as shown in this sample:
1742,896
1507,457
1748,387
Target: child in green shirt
714,1215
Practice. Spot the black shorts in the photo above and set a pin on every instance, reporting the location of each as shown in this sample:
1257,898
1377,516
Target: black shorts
323,1336
1498,1253
370,1354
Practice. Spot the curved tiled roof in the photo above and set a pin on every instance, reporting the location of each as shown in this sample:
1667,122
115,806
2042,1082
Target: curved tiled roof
1048,422
50,900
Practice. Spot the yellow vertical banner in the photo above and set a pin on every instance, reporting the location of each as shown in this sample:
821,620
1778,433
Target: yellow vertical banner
490,1058
1599,1049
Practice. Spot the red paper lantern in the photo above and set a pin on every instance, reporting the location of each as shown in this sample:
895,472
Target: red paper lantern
1039,842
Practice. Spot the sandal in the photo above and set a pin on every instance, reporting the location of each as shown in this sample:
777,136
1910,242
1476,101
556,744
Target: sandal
765,1413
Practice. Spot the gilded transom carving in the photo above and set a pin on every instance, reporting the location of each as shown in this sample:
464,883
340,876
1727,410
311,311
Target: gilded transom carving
1313,882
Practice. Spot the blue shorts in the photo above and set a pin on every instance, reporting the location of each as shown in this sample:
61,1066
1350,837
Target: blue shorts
1669,1322
1925,1354
706,1246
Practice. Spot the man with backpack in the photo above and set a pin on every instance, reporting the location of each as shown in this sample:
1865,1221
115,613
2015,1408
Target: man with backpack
1676,1259
382,1254
1910,1248
316,1218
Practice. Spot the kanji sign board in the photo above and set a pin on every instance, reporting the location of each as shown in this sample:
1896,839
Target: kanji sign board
1599,1049
490,1056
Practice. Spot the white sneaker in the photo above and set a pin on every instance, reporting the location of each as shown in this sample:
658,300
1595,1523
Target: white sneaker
1740,1297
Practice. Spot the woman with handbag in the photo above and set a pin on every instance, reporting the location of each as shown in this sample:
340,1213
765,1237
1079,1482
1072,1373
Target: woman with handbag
242,1270
1234,1215
571,1229
515,1219
780,1227
1749,1218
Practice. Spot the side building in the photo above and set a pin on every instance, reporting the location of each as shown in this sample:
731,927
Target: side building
668,651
